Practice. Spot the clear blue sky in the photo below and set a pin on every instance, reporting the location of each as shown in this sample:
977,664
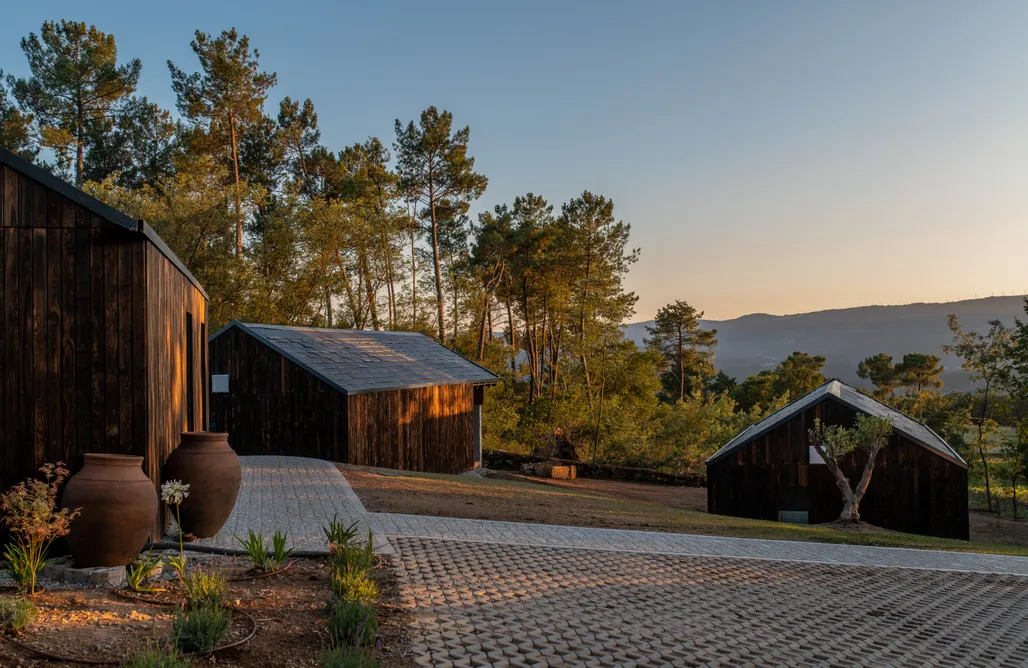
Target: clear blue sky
771,156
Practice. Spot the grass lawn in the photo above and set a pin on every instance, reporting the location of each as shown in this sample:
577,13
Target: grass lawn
611,504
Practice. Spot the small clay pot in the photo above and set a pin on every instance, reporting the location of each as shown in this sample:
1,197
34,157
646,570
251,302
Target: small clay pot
118,510
205,462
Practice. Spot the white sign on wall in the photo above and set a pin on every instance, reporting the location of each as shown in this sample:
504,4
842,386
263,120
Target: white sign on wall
814,457
219,383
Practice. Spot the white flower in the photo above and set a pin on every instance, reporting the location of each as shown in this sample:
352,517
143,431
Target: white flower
174,492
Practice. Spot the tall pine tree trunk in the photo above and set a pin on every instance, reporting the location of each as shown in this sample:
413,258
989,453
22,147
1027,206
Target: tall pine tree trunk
239,199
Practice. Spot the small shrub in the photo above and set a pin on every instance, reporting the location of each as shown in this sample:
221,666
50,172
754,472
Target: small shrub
154,655
139,570
18,612
256,551
354,584
352,625
200,629
352,554
204,589
347,657
30,512
338,534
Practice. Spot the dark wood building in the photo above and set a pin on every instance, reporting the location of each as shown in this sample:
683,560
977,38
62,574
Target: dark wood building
392,399
102,330
770,471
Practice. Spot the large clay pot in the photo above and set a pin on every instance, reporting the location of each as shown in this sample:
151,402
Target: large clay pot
119,510
205,462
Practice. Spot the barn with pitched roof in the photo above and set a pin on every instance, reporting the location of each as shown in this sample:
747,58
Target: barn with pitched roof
770,470
391,399
102,331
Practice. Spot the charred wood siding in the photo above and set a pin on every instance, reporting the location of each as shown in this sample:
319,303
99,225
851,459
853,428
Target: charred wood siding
79,334
172,302
422,429
276,407
912,490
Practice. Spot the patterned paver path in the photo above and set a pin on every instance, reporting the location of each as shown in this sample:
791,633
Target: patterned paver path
300,496
504,594
295,495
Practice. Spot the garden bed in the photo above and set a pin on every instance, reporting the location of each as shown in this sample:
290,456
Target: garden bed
289,609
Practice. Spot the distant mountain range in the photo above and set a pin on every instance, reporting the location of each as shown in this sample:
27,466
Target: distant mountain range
752,343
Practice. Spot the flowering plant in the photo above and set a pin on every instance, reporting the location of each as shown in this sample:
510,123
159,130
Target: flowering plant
31,515
173,493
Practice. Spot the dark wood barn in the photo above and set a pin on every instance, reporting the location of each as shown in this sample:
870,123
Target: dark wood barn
102,330
770,471
392,399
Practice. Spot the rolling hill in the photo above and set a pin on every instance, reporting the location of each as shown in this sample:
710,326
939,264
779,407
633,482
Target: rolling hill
752,343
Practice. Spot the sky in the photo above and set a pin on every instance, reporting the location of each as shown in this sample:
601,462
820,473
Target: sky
774,157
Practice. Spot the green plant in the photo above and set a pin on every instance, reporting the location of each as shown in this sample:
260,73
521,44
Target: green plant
352,624
20,563
347,657
173,493
140,569
200,629
154,655
338,534
204,589
256,550
354,584
31,515
352,554
177,563
279,552
18,613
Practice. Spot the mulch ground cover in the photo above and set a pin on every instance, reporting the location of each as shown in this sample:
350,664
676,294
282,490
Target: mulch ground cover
289,608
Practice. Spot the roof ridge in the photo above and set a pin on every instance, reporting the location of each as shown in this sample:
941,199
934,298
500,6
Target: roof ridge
90,203
834,388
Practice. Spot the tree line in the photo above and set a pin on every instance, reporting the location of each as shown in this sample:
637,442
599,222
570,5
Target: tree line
378,234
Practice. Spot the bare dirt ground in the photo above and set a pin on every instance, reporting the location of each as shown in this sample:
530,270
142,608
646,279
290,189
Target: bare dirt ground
620,504
290,609
989,528
515,498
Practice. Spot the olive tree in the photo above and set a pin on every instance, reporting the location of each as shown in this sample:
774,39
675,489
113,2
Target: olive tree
870,434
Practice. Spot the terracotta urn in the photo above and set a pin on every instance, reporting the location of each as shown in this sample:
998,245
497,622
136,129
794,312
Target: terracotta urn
205,462
119,510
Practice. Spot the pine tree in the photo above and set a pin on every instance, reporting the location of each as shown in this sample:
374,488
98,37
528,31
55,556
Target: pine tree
224,99
880,370
687,349
15,127
75,87
437,176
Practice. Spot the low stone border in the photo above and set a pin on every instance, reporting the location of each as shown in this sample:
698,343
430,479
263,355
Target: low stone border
501,460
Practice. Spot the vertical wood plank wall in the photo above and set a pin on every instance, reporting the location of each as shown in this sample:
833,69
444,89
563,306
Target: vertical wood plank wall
275,407
912,490
170,298
421,429
75,345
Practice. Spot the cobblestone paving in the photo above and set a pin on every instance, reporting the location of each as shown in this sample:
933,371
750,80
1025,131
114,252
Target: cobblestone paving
502,593
517,533
484,604
291,494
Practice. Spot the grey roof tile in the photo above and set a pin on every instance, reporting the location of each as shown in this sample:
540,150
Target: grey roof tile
359,361
901,422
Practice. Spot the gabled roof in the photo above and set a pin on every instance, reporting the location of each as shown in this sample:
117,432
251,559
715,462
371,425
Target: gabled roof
360,361
836,390
90,203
